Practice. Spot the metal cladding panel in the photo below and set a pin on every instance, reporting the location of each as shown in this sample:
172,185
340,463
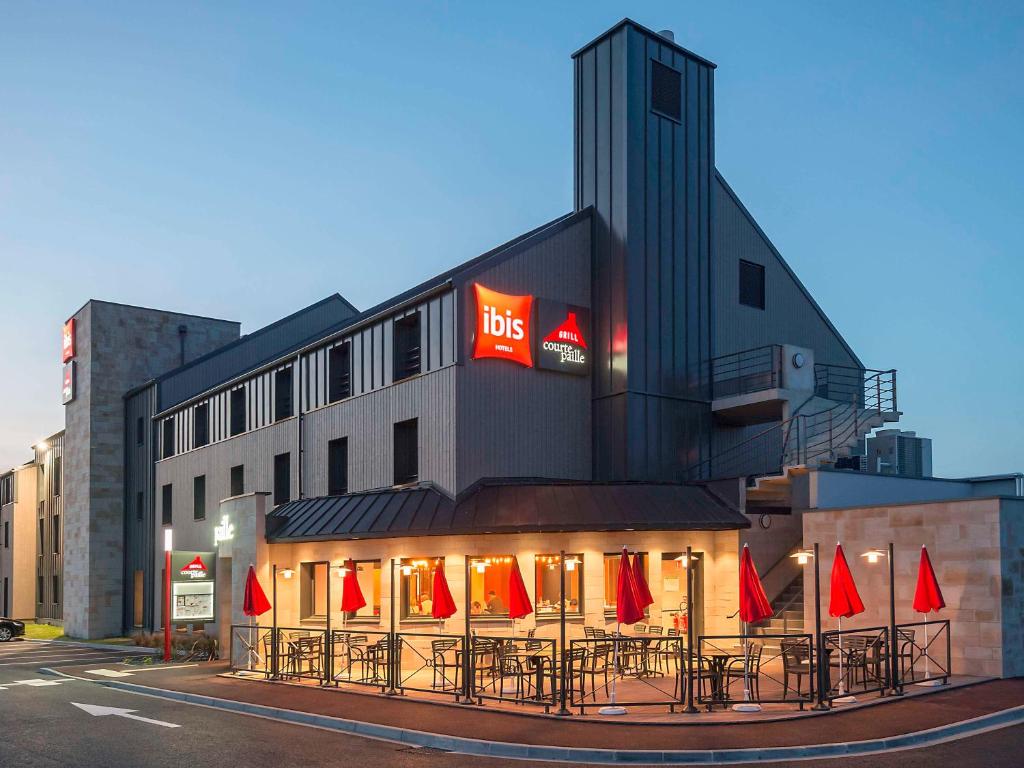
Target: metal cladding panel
790,315
649,179
49,525
139,521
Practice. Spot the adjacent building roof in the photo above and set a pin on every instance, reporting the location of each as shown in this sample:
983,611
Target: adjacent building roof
505,507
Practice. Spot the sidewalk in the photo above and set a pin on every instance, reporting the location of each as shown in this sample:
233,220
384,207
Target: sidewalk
891,719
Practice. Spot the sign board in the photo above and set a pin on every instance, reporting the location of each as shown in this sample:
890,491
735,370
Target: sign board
68,391
563,330
68,342
193,575
502,326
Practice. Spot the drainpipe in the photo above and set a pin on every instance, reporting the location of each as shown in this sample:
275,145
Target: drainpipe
298,368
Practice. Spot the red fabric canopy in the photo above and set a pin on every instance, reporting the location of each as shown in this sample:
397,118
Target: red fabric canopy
628,609
927,596
254,601
442,606
351,595
519,605
844,600
754,605
642,590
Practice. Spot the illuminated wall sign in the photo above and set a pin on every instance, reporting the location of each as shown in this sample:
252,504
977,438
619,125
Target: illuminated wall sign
223,532
502,326
68,392
68,345
192,586
563,332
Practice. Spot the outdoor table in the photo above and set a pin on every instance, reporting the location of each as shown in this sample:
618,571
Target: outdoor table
538,659
718,659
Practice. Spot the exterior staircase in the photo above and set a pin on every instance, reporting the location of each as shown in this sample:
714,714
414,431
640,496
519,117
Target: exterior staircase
789,614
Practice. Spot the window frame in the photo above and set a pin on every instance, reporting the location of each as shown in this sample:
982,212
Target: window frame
508,559
198,498
237,405
167,438
405,456
546,560
284,395
334,488
669,70
339,383
645,561
201,418
167,504
372,618
286,496
760,269
231,479
403,346
403,590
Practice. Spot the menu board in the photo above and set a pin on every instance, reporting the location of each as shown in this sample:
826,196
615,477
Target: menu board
192,602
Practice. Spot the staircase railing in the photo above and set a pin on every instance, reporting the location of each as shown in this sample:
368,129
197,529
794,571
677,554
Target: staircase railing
871,389
751,370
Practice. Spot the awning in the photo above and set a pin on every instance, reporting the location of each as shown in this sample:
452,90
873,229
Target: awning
505,507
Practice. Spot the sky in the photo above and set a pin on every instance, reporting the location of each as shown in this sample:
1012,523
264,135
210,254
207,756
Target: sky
244,160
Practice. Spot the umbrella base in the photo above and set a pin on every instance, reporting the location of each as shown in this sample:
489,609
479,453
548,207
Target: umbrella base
611,711
747,706
930,683
845,700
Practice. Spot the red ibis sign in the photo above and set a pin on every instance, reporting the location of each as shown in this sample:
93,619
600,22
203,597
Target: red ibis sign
502,326
68,345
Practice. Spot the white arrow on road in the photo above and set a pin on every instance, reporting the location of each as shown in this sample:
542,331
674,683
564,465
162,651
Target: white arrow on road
98,711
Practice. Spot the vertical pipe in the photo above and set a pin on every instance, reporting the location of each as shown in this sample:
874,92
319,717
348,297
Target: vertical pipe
167,604
391,636
817,633
467,643
298,429
329,638
897,689
563,668
690,581
273,630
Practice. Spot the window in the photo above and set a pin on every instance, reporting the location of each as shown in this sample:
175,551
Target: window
168,437
238,480
313,591
57,475
406,453
548,585
140,431
611,578
42,535
337,467
56,589
417,579
237,411
673,588
199,497
283,394
666,91
282,478
339,367
488,580
368,576
7,536
165,510
202,425
55,530
39,586
407,346
138,505
751,284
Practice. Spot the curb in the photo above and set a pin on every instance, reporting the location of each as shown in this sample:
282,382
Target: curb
135,650
483,748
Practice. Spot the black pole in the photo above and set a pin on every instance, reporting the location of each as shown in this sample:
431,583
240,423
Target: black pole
467,643
562,709
391,637
689,631
273,631
822,661
329,639
897,688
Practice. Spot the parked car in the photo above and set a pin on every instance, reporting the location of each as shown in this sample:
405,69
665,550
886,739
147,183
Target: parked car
10,628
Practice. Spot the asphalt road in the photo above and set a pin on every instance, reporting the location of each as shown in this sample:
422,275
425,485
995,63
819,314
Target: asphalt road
40,725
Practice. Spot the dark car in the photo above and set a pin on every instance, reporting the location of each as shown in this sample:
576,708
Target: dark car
10,628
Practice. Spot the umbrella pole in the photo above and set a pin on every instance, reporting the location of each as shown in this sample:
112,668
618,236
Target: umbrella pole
747,705
613,708
843,697
926,683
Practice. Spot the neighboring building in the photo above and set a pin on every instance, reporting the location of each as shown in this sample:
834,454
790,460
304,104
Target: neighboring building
48,460
18,514
897,452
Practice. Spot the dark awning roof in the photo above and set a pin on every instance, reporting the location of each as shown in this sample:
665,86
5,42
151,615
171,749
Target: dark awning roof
505,507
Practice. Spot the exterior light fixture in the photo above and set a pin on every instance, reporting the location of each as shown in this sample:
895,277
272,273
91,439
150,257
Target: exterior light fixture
803,557
287,572
341,570
481,565
874,555
683,561
570,564
42,445
167,540
407,570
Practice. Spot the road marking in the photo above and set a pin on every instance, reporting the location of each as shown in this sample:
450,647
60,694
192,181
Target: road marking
102,672
36,682
98,711
107,673
100,660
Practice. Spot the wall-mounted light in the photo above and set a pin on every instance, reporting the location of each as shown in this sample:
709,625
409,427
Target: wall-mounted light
570,563
873,555
803,557
407,570
683,562
286,573
481,565
341,570
42,445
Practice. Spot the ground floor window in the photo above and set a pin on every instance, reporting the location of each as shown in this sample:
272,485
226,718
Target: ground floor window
137,602
674,566
611,577
368,576
548,585
489,584
417,579
313,591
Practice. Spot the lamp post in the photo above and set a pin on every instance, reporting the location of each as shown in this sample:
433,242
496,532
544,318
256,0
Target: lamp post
689,630
873,556
391,691
563,710
167,593
820,705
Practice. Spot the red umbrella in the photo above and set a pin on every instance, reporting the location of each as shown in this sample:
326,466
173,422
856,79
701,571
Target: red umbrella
642,590
443,606
754,605
927,596
843,600
628,609
351,595
519,605
255,600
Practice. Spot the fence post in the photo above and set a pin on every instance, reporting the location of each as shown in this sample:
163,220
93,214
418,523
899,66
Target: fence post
391,638
273,630
689,630
894,635
817,633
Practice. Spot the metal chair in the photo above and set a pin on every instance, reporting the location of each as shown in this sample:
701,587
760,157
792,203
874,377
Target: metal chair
796,661
444,656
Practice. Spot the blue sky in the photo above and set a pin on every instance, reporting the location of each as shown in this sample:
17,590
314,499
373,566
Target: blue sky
242,160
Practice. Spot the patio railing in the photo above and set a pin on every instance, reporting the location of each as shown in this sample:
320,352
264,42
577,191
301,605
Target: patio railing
250,649
429,662
769,669
520,670
360,656
856,661
642,670
923,652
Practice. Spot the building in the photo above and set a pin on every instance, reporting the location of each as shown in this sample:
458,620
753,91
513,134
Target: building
898,452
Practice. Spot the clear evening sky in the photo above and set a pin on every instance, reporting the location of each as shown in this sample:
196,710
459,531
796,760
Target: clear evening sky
244,160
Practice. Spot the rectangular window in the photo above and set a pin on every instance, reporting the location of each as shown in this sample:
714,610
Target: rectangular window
406,346
39,586
42,536
202,425
339,367
238,480
7,535
199,497
673,589
282,478
751,284
56,590
368,576
337,467
417,594
140,432
489,580
55,530
237,409
406,452
666,91
137,602
168,437
548,585
165,510
313,591
139,506
283,394
57,475
611,578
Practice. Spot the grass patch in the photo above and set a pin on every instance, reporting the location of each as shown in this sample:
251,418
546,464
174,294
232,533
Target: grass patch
43,632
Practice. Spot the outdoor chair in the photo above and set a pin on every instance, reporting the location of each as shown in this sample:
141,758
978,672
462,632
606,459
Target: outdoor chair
376,658
444,659
673,632
305,656
640,628
853,656
737,670
663,655
575,661
589,632
512,667
596,664
348,647
654,630
796,661
905,653
485,659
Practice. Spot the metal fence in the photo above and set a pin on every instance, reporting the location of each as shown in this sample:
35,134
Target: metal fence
429,662
520,670
923,652
250,649
752,370
766,669
633,670
359,656
855,661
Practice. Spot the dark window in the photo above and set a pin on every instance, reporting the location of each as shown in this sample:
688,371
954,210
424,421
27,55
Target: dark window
238,480
406,453
57,475
138,505
339,368
282,478
140,431
199,497
165,510
42,535
337,467
202,429
666,91
7,535
40,585
751,284
407,346
168,437
56,589
55,529
237,411
283,394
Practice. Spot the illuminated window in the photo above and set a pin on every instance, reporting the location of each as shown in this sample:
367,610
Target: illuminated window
673,588
313,591
548,585
368,576
417,579
488,578
611,577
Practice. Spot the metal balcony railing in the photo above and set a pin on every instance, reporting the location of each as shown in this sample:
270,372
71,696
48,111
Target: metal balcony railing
752,370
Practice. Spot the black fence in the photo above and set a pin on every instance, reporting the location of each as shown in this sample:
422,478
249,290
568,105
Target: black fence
251,649
429,662
923,652
765,669
520,670
752,370
639,670
855,661
359,656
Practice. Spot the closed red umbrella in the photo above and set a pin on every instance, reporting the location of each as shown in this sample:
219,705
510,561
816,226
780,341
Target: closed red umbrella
754,605
927,596
844,600
519,605
443,606
642,590
351,595
628,609
255,600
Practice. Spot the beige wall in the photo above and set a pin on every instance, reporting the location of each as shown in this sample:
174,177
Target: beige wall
18,562
964,542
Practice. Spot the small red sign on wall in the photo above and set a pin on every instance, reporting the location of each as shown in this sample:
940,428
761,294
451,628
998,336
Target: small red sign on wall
68,346
502,326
